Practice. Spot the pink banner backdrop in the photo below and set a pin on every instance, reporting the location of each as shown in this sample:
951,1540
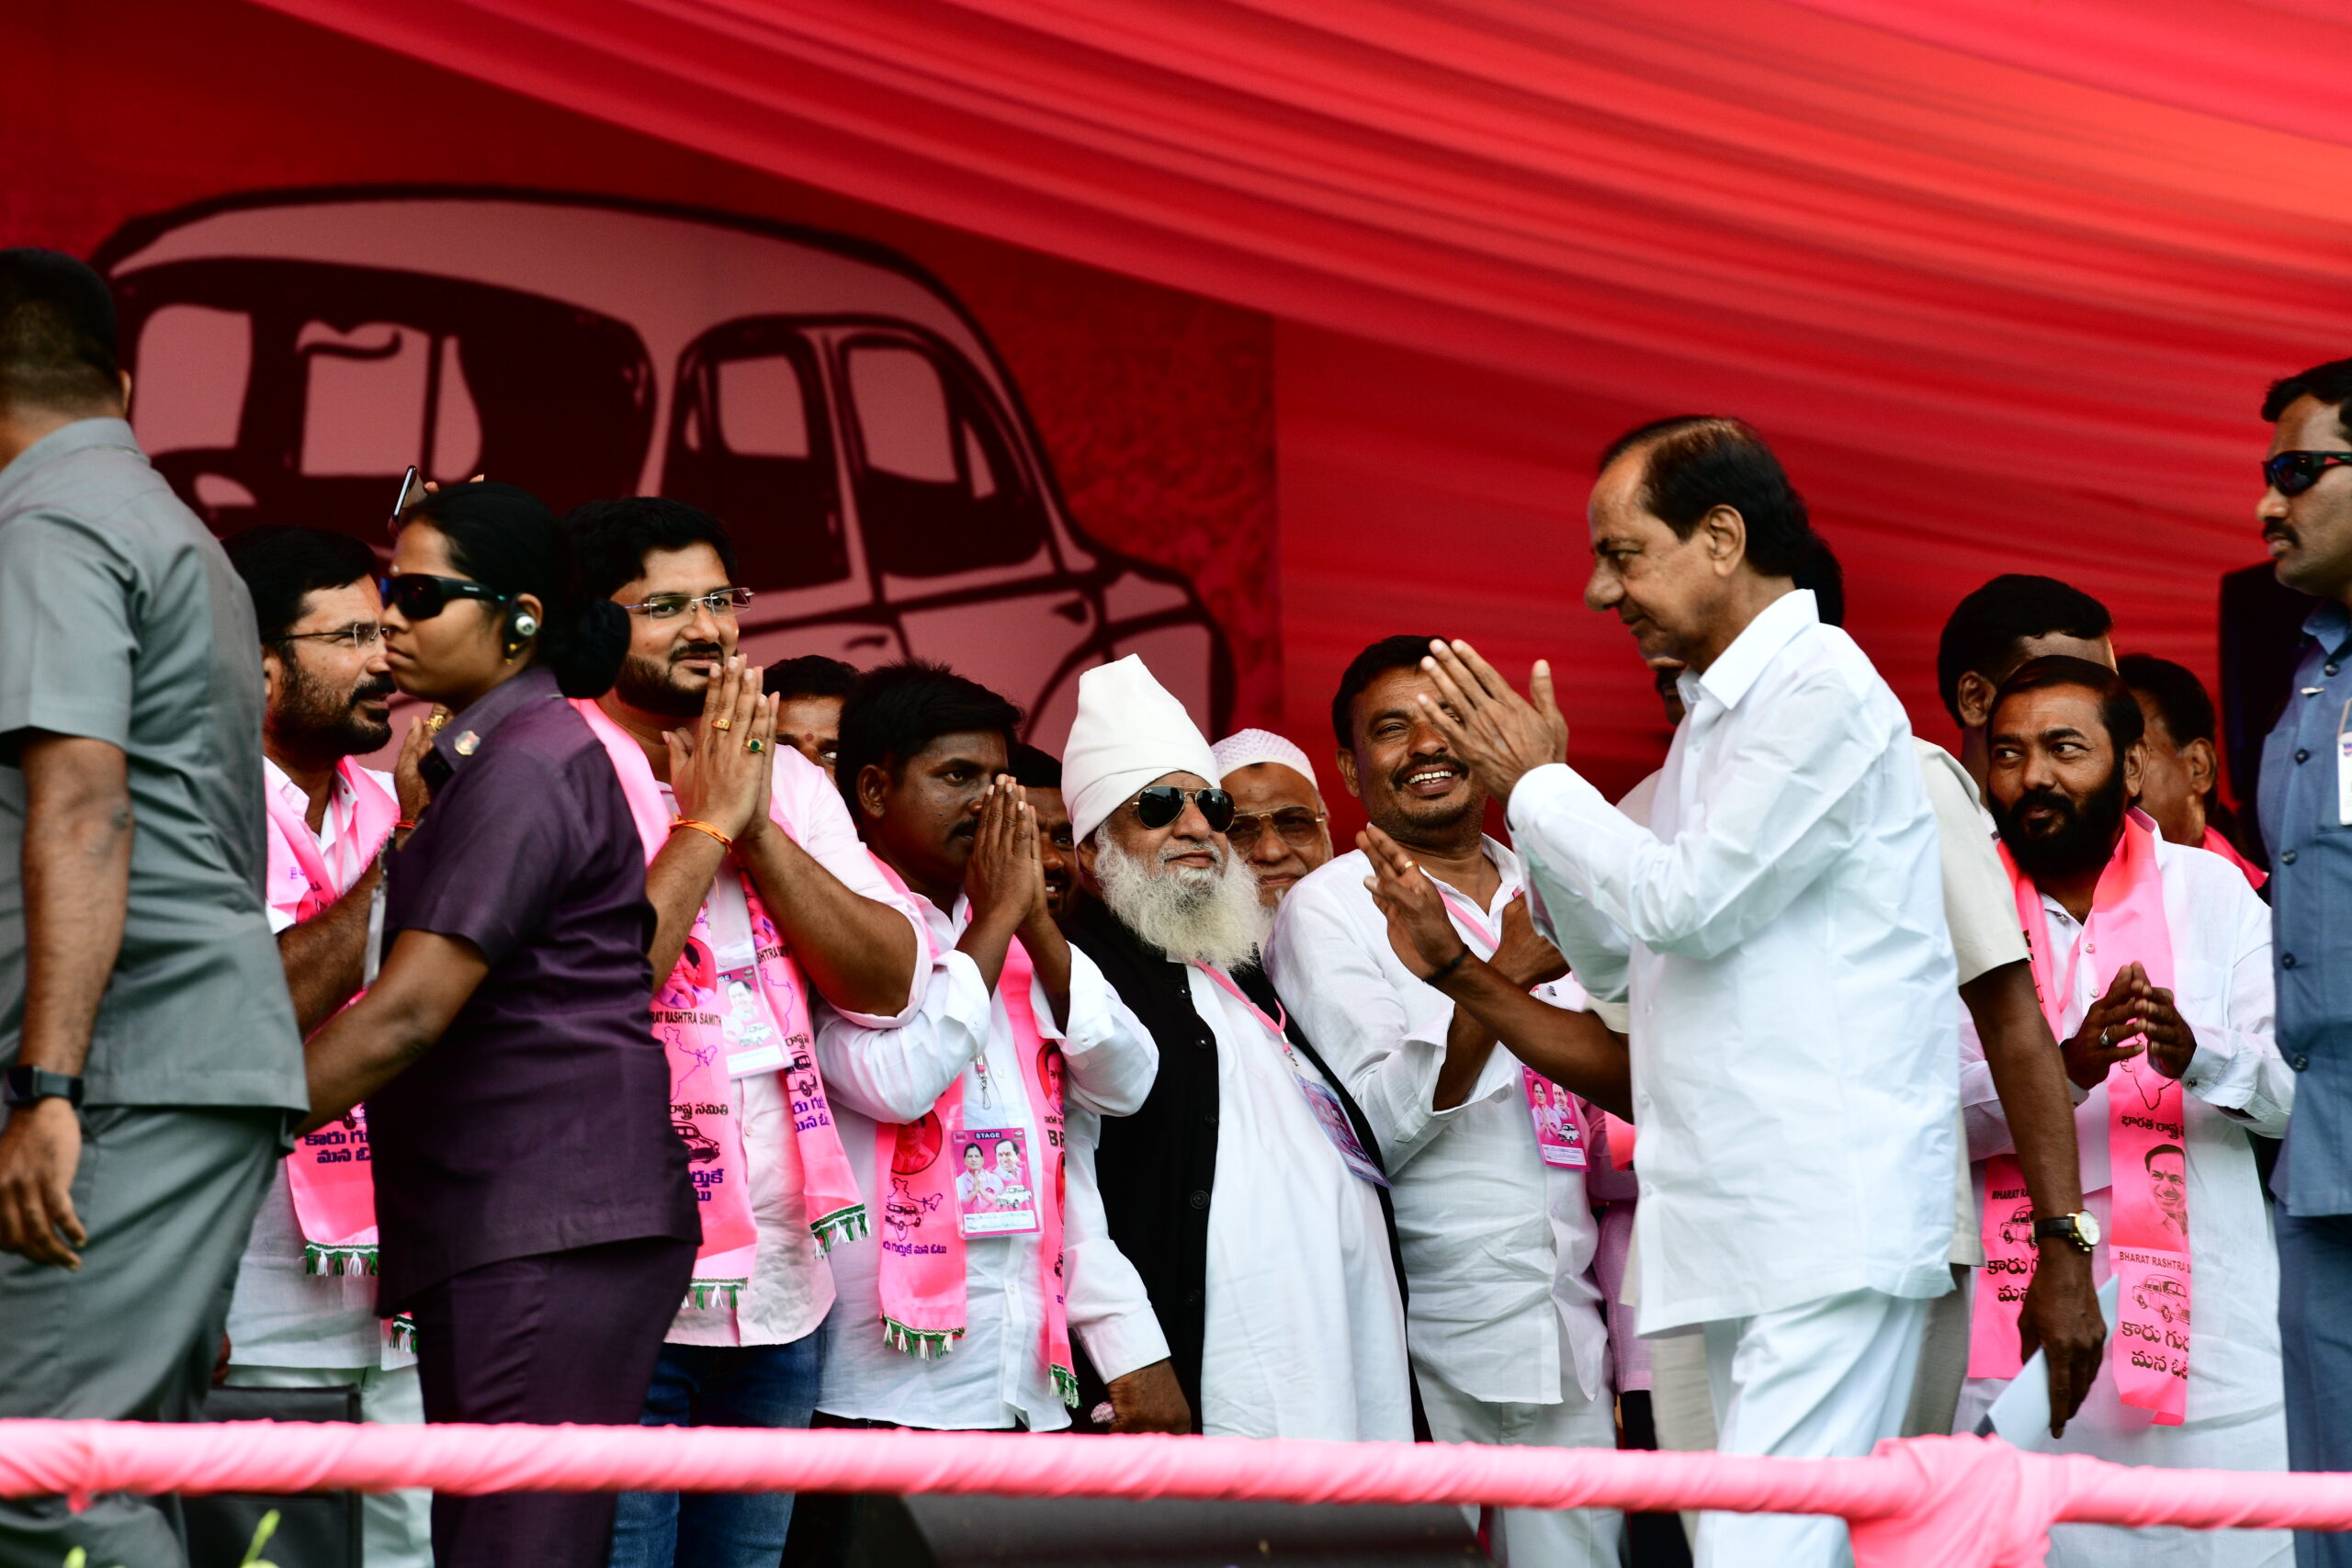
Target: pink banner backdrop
1922,1503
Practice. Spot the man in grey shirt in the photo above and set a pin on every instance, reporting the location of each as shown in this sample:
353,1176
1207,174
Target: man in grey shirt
152,1049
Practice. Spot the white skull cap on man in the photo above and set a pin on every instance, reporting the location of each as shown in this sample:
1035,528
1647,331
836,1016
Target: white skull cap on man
1129,732
1248,748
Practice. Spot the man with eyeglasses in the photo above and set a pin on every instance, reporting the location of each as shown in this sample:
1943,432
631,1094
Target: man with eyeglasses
303,1313
1247,1189
2306,809
1280,827
762,896
1510,1339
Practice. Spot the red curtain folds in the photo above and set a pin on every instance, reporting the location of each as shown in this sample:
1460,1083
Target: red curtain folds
2005,279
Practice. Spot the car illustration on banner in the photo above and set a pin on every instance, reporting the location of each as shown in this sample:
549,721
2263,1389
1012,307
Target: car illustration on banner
293,352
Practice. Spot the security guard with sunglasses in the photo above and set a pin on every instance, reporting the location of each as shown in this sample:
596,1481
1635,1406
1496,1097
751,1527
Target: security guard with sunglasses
2306,815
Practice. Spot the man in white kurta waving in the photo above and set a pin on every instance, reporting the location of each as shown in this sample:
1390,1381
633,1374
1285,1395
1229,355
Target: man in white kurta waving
1778,931
2152,962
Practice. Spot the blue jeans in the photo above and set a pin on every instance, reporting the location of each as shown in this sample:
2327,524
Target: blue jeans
718,1385
2315,1339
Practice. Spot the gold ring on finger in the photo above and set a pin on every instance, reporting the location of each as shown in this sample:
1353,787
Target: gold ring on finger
722,724
755,744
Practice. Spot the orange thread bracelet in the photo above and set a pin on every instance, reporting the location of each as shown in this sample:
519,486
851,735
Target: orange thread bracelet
724,841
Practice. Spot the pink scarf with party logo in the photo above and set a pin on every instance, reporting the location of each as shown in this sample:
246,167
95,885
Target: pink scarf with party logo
921,1272
2148,1243
331,1179
691,1010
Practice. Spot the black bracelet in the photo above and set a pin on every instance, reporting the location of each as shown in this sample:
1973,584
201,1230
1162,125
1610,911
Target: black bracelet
1450,966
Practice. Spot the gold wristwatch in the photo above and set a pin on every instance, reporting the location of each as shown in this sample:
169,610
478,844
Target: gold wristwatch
2081,1230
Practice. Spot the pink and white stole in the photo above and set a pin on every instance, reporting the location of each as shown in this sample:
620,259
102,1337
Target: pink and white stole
1559,1118
332,1181
2126,924
688,1010
924,1307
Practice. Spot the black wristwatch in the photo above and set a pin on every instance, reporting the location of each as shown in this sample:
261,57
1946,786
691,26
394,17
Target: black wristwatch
26,1084
2081,1230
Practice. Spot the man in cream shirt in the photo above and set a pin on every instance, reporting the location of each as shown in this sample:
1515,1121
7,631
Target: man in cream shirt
1779,932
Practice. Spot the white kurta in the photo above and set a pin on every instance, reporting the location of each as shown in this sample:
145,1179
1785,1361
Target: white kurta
279,1315
1305,1336
2236,1088
1778,929
1497,1245
994,1377
790,1289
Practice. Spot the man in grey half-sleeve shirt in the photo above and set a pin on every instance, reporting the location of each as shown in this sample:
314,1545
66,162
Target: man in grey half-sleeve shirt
151,1050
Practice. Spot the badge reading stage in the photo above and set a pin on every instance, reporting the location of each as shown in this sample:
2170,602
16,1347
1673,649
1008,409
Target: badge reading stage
996,1193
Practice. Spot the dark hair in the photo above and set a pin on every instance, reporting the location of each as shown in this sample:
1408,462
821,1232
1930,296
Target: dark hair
283,565
895,710
2330,383
610,539
57,334
2118,708
1693,463
809,676
1985,628
1819,570
2150,1157
2179,696
1388,653
1036,768
503,536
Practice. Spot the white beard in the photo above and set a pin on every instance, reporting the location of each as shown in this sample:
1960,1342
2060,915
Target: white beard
1192,914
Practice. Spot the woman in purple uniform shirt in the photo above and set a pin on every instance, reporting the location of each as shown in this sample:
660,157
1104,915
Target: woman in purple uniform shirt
535,1209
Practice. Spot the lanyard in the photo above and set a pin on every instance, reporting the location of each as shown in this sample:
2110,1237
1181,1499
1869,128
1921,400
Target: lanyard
1281,1031
1467,913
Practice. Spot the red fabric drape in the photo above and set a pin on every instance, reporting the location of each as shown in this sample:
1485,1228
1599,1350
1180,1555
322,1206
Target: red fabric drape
2005,279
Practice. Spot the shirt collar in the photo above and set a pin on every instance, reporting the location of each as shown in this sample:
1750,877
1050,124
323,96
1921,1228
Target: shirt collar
78,437
1738,668
2329,623
463,735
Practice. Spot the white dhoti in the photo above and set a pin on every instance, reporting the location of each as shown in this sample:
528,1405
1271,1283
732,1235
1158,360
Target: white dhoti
2107,1428
1826,1380
1532,1538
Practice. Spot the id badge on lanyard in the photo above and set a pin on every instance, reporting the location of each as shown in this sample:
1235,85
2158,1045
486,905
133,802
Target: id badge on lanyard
1330,1114
754,1043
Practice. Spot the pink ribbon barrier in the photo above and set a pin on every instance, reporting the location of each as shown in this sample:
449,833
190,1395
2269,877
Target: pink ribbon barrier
1920,1503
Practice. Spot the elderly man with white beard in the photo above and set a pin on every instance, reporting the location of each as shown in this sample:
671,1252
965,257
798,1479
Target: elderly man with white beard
1245,1190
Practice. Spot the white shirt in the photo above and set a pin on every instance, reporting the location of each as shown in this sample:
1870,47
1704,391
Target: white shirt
1779,931
994,1376
2236,1085
1304,1335
279,1317
790,1289
1497,1245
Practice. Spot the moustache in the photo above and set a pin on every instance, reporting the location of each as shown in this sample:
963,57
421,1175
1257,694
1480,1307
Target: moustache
2062,805
696,650
1422,764
375,688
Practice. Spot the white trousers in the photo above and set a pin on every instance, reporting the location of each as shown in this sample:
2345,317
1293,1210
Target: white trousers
1532,1538
1682,1405
396,1527
1826,1380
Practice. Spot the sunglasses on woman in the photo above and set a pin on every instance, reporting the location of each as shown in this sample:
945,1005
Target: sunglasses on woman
2291,473
1162,804
420,597
1300,827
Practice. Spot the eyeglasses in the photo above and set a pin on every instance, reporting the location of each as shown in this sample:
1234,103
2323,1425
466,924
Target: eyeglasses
1299,826
2291,473
670,606
1162,804
357,635
420,597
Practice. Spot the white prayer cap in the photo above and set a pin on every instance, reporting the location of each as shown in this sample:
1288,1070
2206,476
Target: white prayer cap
1129,732
1250,746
